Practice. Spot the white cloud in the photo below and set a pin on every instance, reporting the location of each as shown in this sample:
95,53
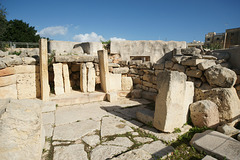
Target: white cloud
92,37
117,39
53,31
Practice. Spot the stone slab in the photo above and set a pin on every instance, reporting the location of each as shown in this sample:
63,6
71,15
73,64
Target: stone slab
58,79
8,92
7,80
91,80
216,144
76,130
7,71
136,154
66,79
83,77
48,106
120,141
71,152
158,149
115,82
74,58
145,116
48,118
91,140
22,69
112,126
103,152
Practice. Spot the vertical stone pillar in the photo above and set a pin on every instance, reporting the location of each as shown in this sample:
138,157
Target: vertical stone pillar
44,69
66,80
58,78
104,72
169,105
83,77
91,80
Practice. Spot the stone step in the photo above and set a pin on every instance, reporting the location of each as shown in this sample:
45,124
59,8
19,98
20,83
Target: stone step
145,115
77,97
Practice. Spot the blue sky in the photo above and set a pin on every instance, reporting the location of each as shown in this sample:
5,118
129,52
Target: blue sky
91,20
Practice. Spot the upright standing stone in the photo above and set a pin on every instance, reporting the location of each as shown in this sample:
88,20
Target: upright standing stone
104,72
91,80
83,77
170,101
67,85
44,70
189,95
58,78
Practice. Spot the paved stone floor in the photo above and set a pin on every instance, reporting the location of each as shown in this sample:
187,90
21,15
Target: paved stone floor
103,130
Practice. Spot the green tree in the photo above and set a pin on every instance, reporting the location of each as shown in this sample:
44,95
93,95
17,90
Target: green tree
3,21
19,31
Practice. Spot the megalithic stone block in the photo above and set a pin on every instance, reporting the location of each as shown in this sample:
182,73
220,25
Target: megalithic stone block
104,72
169,105
66,80
45,89
58,79
91,80
83,77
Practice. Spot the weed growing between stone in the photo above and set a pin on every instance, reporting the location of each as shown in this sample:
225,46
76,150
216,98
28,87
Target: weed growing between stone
183,149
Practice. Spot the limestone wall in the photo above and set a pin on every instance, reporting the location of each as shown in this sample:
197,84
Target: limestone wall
157,50
20,82
61,47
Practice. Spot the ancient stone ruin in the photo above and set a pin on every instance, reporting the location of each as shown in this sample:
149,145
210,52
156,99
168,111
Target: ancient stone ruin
54,100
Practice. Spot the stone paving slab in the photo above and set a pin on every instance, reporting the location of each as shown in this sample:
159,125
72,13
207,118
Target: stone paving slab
75,130
217,144
71,152
136,154
112,125
103,152
120,141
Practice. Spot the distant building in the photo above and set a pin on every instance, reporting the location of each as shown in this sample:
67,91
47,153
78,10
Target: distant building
214,38
195,43
232,38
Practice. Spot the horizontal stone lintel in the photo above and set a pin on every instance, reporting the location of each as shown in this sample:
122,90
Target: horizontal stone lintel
74,58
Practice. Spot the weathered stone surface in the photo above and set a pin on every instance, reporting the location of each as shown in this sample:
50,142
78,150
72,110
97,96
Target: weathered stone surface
112,96
220,76
48,106
178,67
75,130
103,152
112,126
20,134
127,84
91,80
48,130
74,58
143,139
27,85
115,82
29,60
157,149
71,152
7,80
227,101
66,80
191,51
207,157
189,96
135,154
145,116
149,95
155,49
58,79
91,140
120,141
160,66
83,77
104,71
169,101
192,62
204,113
7,71
216,144
8,92
122,70
12,60
77,50
169,64
228,130
206,64
48,118
136,93
22,69
91,47
220,55
194,73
